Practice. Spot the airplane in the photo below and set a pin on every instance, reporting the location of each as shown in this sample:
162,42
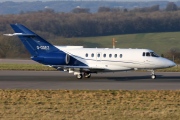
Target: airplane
82,62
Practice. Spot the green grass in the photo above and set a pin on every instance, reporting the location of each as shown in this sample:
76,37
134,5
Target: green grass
27,67
89,105
159,42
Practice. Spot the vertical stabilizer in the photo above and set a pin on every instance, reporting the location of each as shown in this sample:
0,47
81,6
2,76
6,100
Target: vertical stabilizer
34,43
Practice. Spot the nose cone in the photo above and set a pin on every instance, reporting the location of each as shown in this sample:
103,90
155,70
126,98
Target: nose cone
170,63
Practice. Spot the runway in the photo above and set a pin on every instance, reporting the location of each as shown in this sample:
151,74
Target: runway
55,80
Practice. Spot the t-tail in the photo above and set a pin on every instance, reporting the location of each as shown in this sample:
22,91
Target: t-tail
40,50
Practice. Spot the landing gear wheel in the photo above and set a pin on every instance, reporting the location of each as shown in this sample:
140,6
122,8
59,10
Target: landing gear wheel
153,76
87,75
79,76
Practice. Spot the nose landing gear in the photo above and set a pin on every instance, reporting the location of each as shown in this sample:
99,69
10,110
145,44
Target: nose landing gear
153,76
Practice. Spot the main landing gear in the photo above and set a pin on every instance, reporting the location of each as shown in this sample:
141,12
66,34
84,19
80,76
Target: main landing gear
79,76
86,75
153,76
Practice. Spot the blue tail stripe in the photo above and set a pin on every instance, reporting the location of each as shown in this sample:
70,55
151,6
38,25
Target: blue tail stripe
35,44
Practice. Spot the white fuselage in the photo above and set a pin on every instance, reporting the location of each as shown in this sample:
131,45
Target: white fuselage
117,59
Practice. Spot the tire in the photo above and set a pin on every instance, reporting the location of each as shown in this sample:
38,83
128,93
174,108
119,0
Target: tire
79,76
87,75
153,76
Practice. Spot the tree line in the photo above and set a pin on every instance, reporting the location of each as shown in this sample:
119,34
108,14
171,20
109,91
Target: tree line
107,21
97,24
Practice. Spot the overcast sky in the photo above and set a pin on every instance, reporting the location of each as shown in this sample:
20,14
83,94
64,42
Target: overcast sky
83,0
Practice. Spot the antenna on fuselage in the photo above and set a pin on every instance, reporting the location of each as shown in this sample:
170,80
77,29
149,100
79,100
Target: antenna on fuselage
113,42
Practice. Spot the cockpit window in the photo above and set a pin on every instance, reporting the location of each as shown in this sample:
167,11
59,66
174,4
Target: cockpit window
150,54
147,54
144,54
154,54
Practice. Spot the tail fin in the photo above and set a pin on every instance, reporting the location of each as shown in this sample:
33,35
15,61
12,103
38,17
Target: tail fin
34,43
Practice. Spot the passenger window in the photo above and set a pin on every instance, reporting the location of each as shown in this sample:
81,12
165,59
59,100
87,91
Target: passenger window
120,55
110,55
86,55
115,55
92,55
104,55
143,53
98,55
148,54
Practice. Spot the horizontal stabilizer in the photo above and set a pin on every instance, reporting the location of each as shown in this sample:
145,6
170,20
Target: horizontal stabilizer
20,34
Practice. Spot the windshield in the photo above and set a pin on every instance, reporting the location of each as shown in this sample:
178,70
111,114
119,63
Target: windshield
149,54
154,54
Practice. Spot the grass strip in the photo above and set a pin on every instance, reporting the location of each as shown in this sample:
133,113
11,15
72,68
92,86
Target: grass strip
90,105
26,67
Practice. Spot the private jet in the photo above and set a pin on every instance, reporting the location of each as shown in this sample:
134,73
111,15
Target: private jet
82,62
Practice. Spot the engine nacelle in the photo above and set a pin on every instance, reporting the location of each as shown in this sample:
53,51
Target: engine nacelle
53,59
